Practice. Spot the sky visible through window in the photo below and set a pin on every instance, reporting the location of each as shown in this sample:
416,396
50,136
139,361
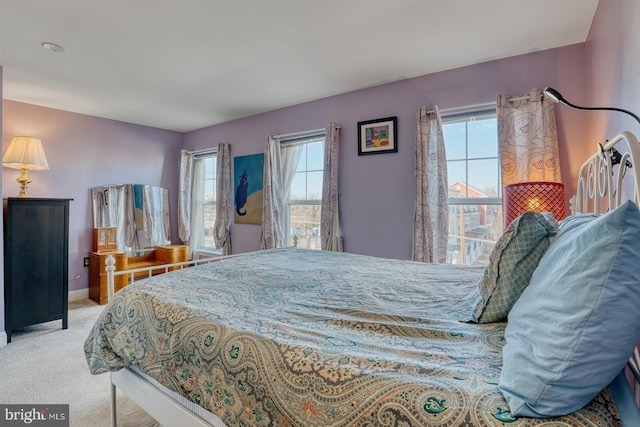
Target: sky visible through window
306,195
472,154
307,182
210,179
209,203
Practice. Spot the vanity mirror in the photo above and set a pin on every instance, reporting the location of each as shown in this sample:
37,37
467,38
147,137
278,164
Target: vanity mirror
140,214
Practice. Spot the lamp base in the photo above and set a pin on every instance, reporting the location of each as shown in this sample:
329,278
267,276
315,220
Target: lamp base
23,180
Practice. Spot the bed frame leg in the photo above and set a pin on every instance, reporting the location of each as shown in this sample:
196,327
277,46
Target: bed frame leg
112,401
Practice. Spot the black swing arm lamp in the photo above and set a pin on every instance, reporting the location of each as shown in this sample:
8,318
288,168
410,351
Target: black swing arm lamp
555,96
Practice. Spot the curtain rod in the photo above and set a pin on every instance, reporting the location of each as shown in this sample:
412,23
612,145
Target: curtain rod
472,107
523,98
465,108
301,133
203,151
483,105
519,98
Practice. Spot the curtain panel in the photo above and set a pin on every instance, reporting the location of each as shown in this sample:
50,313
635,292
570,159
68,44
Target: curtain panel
290,157
273,222
222,236
527,138
184,195
330,238
431,219
280,163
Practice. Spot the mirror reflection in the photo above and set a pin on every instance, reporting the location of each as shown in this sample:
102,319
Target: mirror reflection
139,212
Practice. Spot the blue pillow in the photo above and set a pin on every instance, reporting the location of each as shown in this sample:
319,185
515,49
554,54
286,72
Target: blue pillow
577,323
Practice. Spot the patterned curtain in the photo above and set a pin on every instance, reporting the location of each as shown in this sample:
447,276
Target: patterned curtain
222,236
272,235
431,221
330,238
184,195
527,138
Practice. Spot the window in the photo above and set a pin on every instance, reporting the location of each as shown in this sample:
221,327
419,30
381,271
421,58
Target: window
475,192
305,189
204,200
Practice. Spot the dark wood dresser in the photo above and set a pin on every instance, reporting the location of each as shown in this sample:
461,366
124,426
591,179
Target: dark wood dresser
36,252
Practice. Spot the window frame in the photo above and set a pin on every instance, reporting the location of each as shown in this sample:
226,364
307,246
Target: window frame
213,154
289,202
460,202
463,117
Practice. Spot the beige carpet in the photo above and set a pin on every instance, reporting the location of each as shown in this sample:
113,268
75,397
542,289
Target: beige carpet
44,364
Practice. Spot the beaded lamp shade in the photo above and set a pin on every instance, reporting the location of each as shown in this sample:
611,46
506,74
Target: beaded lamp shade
532,196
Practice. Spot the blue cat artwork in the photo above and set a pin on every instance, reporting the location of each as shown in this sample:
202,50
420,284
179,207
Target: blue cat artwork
241,193
247,183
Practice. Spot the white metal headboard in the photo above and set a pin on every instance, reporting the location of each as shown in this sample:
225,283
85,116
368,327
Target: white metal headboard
610,176
604,179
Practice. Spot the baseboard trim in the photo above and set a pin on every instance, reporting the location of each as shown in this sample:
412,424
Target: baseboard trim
3,339
78,295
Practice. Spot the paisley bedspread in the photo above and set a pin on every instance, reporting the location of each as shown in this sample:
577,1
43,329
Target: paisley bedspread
293,337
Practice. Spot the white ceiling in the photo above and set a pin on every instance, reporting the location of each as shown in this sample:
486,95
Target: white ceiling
184,65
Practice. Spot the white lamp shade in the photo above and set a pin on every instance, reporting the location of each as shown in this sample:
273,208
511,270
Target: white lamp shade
27,152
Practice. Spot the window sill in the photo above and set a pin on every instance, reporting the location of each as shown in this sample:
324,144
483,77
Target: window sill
206,253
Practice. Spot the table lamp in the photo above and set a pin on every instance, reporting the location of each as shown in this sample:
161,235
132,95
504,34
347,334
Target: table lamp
533,196
25,153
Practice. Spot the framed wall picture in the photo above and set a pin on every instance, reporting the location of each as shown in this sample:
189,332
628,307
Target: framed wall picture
378,136
247,181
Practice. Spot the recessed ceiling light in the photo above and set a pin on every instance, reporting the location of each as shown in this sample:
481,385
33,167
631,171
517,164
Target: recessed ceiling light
52,47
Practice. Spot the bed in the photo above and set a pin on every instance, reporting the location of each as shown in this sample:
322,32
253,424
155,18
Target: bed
293,337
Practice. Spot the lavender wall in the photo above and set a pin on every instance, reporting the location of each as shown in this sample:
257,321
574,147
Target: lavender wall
612,61
378,192
613,65
84,152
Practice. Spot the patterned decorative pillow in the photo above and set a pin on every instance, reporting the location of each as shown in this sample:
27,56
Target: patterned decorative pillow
511,265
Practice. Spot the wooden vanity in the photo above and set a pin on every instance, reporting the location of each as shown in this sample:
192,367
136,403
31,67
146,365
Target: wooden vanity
149,257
